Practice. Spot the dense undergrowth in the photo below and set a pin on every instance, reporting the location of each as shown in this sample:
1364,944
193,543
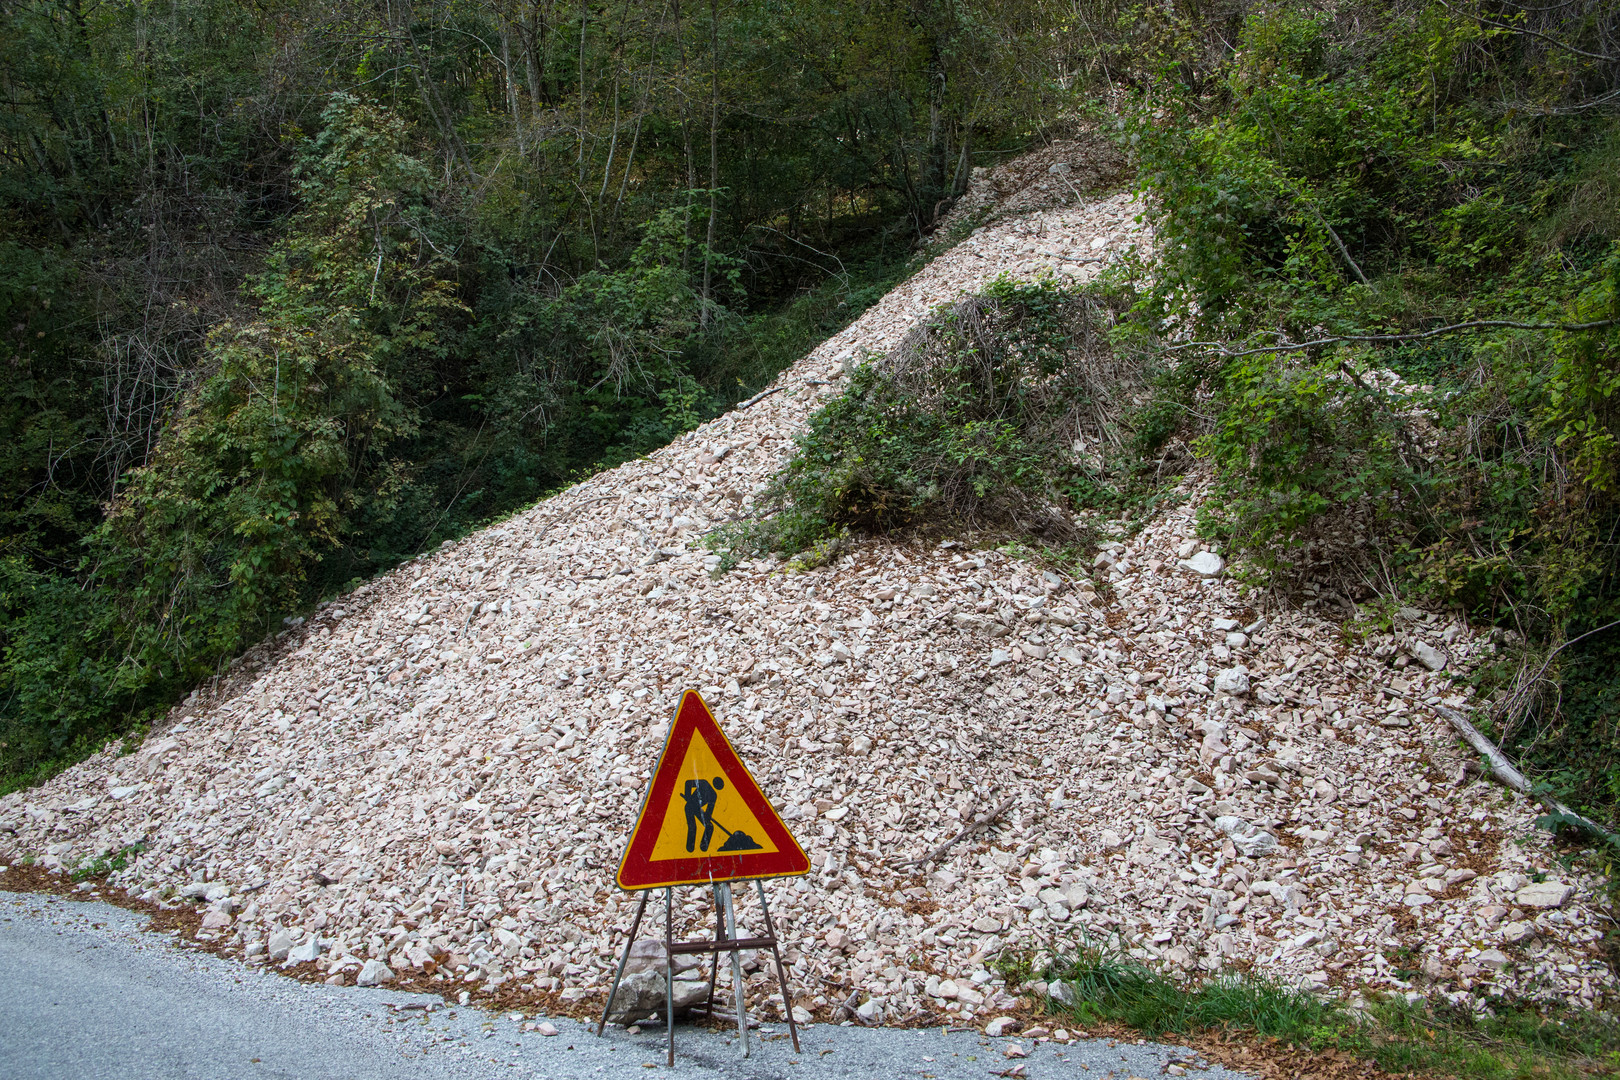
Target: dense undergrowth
1390,175
972,422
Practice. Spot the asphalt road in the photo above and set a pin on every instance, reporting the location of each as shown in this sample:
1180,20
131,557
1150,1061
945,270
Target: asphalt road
92,995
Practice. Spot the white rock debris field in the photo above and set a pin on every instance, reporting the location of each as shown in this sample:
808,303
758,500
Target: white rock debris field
432,778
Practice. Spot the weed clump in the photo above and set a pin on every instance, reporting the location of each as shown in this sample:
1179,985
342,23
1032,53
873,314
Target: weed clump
110,862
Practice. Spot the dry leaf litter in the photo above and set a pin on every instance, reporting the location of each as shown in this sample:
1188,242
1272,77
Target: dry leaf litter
432,778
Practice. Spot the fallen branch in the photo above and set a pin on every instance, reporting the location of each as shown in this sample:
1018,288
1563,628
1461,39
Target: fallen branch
965,831
1220,348
848,1008
759,397
849,1003
1504,771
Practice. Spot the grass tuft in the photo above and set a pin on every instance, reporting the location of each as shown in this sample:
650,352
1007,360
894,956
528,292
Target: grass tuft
109,863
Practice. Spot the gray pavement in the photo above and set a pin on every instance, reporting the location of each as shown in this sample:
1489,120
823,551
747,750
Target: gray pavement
92,995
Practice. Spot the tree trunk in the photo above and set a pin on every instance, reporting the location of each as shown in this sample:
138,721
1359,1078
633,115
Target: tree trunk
686,144
511,82
714,152
430,95
534,58
584,16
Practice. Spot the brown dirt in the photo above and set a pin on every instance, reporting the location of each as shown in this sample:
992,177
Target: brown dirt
1273,1060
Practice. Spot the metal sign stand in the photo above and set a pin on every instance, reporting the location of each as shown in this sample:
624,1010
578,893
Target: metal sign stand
725,940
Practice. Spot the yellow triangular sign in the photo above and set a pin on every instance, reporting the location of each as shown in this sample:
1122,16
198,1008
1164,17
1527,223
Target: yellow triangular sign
704,818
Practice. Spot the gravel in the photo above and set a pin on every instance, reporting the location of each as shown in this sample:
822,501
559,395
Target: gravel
93,996
437,771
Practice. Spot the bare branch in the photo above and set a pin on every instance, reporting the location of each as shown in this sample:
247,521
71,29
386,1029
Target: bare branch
1526,109
1482,324
972,829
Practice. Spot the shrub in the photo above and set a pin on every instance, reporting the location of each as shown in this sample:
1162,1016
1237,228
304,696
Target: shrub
1001,413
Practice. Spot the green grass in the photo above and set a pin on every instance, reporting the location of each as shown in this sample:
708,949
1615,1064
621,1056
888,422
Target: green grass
1510,1039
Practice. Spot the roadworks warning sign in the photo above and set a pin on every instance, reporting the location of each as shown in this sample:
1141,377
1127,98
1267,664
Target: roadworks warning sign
704,818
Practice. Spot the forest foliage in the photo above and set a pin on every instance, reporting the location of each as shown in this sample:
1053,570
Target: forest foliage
292,291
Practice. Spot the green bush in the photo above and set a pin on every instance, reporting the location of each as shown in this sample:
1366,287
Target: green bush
1299,442
996,416
63,692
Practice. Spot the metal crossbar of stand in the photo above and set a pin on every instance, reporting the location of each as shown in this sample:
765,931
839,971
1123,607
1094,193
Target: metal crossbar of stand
725,940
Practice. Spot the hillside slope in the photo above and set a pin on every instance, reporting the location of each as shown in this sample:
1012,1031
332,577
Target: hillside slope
441,768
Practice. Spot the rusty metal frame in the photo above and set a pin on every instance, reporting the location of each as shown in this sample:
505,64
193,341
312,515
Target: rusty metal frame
725,941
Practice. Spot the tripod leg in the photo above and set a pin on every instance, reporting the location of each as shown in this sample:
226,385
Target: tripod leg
714,960
635,925
669,969
781,977
736,967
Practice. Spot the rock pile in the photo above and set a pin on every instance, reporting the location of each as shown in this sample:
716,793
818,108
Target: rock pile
644,991
434,775
1062,172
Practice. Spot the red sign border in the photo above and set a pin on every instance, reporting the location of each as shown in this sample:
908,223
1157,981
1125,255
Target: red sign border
636,867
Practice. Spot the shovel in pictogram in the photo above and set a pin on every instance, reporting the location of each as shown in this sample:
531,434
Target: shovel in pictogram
735,841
